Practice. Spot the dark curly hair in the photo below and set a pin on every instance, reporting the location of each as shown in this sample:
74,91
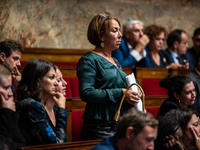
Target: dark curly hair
154,30
175,83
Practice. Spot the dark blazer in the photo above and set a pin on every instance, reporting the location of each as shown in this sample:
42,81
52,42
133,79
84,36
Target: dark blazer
191,56
169,57
163,60
167,105
13,90
107,144
170,104
122,54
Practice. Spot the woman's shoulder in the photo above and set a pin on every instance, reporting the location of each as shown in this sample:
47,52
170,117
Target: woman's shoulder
166,106
29,103
170,102
88,55
92,59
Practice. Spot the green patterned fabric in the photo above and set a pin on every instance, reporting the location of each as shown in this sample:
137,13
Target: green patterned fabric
36,126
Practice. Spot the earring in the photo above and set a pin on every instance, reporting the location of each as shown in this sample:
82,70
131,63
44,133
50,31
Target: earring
179,102
102,44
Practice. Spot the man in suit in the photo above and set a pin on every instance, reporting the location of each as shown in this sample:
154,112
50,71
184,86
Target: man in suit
191,53
10,55
132,45
136,130
195,76
177,42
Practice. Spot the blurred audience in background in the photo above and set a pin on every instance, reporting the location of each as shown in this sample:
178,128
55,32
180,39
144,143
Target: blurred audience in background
191,54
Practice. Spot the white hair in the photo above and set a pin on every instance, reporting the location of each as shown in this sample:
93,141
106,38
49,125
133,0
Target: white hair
127,26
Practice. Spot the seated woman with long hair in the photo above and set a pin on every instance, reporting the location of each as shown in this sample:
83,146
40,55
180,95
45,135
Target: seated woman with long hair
40,122
169,134
190,125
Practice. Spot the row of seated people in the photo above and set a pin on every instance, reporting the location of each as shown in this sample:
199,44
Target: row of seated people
178,129
76,82
143,47
33,61
101,85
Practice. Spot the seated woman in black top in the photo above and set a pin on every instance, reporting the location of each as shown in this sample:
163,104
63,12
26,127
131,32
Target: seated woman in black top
181,92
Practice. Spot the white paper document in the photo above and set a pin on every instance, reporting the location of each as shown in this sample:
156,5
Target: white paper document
131,79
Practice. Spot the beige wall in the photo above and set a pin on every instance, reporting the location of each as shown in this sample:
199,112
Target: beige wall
63,23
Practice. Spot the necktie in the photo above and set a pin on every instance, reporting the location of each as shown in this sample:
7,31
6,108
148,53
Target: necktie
179,59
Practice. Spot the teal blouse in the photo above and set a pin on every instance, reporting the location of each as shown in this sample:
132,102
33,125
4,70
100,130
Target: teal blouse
100,86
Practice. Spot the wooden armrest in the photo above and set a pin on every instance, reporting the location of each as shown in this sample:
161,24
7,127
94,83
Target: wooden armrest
80,145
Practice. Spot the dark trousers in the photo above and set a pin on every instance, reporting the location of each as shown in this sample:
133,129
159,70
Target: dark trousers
96,129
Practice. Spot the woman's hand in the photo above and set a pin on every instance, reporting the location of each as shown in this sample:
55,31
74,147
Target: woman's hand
139,92
131,97
59,99
172,143
10,104
196,137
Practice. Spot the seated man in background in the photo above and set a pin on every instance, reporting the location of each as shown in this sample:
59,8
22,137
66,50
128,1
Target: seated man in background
177,43
191,53
132,45
136,130
8,117
10,55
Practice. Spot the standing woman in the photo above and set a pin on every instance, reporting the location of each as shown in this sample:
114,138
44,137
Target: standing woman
181,92
101,79
40,122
